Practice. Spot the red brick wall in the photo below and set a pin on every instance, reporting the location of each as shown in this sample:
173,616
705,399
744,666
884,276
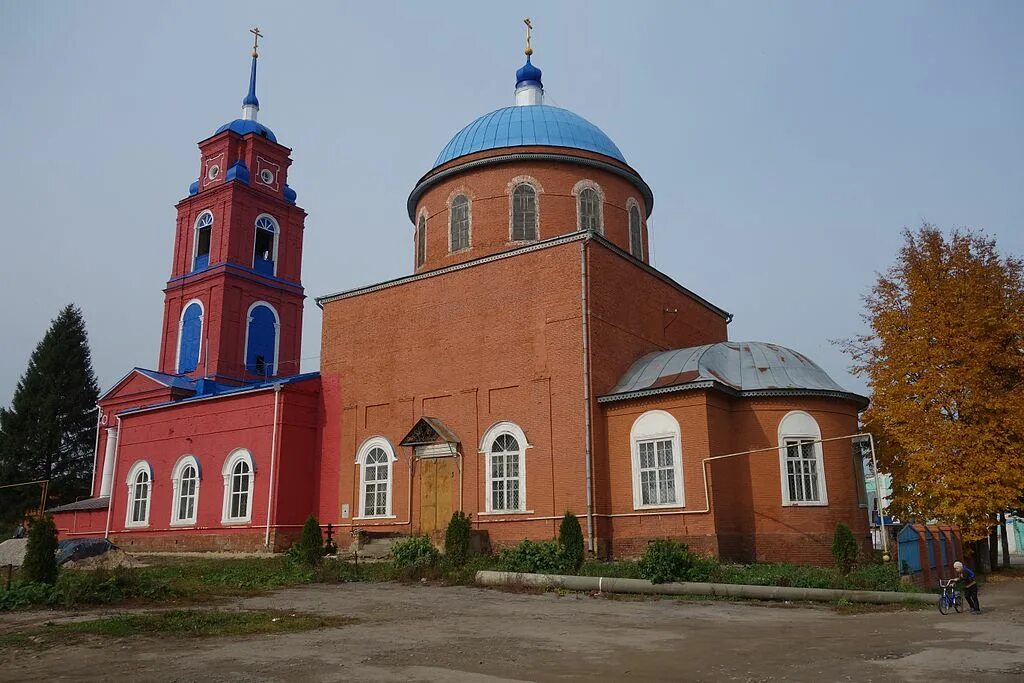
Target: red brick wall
496,341
488,191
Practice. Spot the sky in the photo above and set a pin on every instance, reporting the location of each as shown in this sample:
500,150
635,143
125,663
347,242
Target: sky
788,144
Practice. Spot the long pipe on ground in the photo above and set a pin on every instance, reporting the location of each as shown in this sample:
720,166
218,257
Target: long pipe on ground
643,587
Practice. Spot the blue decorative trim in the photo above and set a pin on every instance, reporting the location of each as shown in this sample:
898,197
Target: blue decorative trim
193,189
212,269
246,126
224,391
238,171
289,194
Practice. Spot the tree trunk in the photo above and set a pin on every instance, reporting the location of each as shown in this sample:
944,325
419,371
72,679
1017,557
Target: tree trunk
993,549
1004,543
981,557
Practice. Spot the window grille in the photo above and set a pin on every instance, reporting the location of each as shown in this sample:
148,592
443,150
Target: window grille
460,222
240,490
524,213
636,247
506,479
187,483
140,497
590,210
657,472
802,471
376,470
421,241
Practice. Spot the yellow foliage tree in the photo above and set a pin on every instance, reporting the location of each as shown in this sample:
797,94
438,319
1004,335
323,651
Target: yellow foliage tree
945,362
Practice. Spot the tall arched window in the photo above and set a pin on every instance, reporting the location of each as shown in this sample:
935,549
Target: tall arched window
801,461
458,218
238,476
201,243
524,213
589,210
504,445
185,488
657,461
190,336
261,340
264,255
421,241
375,477
140,479
636,243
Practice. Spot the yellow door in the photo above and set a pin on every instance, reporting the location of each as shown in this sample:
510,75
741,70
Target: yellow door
437,480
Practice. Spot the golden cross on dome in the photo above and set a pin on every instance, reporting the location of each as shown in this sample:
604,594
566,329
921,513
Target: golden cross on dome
529,27
255,31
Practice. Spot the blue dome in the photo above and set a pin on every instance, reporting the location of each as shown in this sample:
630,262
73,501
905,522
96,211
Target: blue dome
245,126
529,125
528,74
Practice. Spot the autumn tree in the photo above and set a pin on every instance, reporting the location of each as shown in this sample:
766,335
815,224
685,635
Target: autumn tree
944,357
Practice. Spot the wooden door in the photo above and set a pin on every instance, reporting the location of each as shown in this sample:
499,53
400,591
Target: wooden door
437,481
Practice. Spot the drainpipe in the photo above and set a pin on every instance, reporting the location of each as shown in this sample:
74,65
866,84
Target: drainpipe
113,470
96,447
585,286
273,461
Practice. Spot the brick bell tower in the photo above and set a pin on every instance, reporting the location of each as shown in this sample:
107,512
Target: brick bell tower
233,304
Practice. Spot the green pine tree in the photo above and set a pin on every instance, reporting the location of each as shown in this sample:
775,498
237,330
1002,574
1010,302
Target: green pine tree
40,563
49,431
570,538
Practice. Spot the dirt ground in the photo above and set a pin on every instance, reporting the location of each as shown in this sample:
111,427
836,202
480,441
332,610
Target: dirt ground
429,633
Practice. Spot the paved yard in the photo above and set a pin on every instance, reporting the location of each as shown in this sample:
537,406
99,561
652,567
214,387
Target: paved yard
426,633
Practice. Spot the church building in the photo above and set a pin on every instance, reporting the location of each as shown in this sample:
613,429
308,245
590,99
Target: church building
532,362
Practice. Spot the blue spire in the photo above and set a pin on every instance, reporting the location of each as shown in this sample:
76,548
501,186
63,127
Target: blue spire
528,74
250,99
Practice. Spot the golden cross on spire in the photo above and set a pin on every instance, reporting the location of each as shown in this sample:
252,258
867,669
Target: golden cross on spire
529,27
255,31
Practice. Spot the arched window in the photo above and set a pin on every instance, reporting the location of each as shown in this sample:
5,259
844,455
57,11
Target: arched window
801,460
375,480
185,488
636,243
504,445
524,213
190,336
588,209
421,241
238,475
657,461
201,243
261,340
264,255
140,479
458,219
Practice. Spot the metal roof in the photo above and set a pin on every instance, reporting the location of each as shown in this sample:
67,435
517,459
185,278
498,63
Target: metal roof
522,126
87,504
755,367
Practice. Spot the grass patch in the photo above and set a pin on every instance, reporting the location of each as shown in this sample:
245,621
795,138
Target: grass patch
191,623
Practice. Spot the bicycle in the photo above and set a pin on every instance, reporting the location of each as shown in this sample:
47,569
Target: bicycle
950,597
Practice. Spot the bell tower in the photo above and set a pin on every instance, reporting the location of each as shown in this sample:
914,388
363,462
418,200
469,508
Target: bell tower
233,304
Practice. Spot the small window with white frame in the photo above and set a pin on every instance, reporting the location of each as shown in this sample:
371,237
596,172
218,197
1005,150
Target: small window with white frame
374,459
185,491
238,473
504,447
140,491
801,461
264,255
657,461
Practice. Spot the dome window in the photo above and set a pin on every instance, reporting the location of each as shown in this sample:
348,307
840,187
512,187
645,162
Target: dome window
524,213
636,245
201,244
458,218
264,255
421,241
589,206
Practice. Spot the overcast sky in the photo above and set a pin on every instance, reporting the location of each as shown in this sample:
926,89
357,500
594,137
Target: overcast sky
787,144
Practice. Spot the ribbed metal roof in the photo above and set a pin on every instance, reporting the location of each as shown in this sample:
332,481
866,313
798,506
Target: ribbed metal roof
742,366
539,124
86,504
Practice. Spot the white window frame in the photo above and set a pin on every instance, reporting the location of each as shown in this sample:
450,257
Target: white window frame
277,334
577,192
490,436
236,456
176,492
800,425
657,425
181,328
361,455
537,192
469,222
277,238
140,467
631,204
195,237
